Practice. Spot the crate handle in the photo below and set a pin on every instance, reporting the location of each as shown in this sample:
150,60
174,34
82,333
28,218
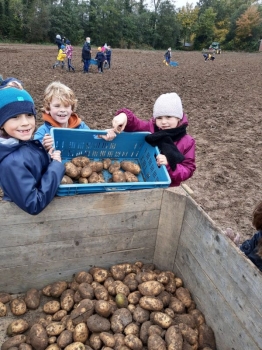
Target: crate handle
110,189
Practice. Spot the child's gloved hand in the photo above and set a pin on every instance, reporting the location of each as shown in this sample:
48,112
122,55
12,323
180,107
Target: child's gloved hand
55,155
161,160
109,136
47,142
119,122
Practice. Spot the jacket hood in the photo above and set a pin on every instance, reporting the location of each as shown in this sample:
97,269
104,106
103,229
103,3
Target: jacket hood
73,121
7,146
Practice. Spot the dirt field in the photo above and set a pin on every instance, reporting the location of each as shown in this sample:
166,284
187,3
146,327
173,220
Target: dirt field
221,99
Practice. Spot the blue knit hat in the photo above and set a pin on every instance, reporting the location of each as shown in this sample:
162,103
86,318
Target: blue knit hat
8,81
13,102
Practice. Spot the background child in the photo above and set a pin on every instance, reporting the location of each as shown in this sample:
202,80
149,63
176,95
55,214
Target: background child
59,108
167,56
58,41
69,54
29,176
60,57
168,128
108,56
251,247
100,57
86,54
11,82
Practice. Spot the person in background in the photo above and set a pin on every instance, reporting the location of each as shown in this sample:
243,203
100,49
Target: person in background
69,54
100,57
108,56
59,111
168,132
86,54
251,247
11,82
167,56
58,41
60,57
29,176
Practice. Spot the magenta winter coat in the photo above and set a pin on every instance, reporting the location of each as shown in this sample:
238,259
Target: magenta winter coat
186,145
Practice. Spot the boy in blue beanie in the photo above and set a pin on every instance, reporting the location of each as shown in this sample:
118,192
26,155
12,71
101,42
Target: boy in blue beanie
29,176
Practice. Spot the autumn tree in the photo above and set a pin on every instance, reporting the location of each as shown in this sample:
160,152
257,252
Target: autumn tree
187,17
248,22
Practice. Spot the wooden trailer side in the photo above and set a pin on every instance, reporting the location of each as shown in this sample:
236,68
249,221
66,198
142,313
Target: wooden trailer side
74,234
225,285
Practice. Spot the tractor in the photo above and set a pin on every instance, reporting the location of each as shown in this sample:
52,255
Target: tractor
215,46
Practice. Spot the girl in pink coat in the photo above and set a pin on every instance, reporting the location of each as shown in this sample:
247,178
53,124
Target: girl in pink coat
168,132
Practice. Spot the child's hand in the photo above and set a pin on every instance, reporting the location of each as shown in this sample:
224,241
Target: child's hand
109,136
55,155
161,160
119,122
47,142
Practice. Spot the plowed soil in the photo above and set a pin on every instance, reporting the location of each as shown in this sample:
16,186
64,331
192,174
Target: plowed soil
221,98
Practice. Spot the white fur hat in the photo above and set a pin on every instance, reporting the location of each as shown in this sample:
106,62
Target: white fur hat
168,105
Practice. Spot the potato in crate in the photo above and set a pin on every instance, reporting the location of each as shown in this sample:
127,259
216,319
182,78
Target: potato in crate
126,147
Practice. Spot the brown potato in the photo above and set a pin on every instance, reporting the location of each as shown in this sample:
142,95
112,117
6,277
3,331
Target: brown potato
53,347
101,178
86,291
67,299
101,292
15,341
155,342
151,303
96,166
176,305
83,180
86,171
141,315
97,324
155,329
189,334
122,288
38,337
93,178
198,316
119,340
24,346
150,288
17,327
58,288
95,341
134,297
66,180
18,306
103,308
47,290
80,161
173,338
171,286
131,167
65,338
179,282
133,342
51,307
186,319
32,298
83,276
206,337
130,177
55,328
108,339
59,315
100,275
183,295
5,298
162,319
114,167
132,328
144,331
170,312
80,333
165,297
82,312
118,176
163,278
71,170
3,309
106,163
120,319
75,346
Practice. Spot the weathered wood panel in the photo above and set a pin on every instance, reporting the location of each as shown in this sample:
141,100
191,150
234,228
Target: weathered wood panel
171,219
221,279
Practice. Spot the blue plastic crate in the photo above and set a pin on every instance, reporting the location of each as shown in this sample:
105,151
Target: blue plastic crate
126,146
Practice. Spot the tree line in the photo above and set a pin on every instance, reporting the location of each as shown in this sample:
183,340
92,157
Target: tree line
153,24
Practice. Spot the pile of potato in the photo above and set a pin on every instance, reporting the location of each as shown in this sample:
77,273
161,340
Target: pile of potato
82,170
129,306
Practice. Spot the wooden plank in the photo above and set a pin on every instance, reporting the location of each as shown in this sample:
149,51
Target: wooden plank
229,331
91,225
76,247
79,206
226,268
21,278
171,218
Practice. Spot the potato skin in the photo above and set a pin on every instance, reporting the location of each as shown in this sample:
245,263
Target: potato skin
82,312
131,167
71,170
51,307
5,298
75,346
103,308
17,327
65,338
162,319
14,341
97,324
80,333
155,342
206,337
133,342
66,180
174,337
18,307
86,171
83,276
151,303
80,161
150,288
32,299
67,299
118,176
58,288
38,337
3,309
108,339
55,328
183,295
130,177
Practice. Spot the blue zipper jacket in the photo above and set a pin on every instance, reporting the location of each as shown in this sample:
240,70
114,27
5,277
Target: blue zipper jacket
28,176
249,247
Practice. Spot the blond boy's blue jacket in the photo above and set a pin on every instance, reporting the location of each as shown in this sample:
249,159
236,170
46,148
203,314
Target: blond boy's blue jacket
27,175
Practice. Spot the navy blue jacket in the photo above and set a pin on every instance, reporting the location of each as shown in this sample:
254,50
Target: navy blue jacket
86,51
108,55
100,56
249,247
28,177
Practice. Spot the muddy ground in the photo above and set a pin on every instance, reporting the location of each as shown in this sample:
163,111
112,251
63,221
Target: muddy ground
221,98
